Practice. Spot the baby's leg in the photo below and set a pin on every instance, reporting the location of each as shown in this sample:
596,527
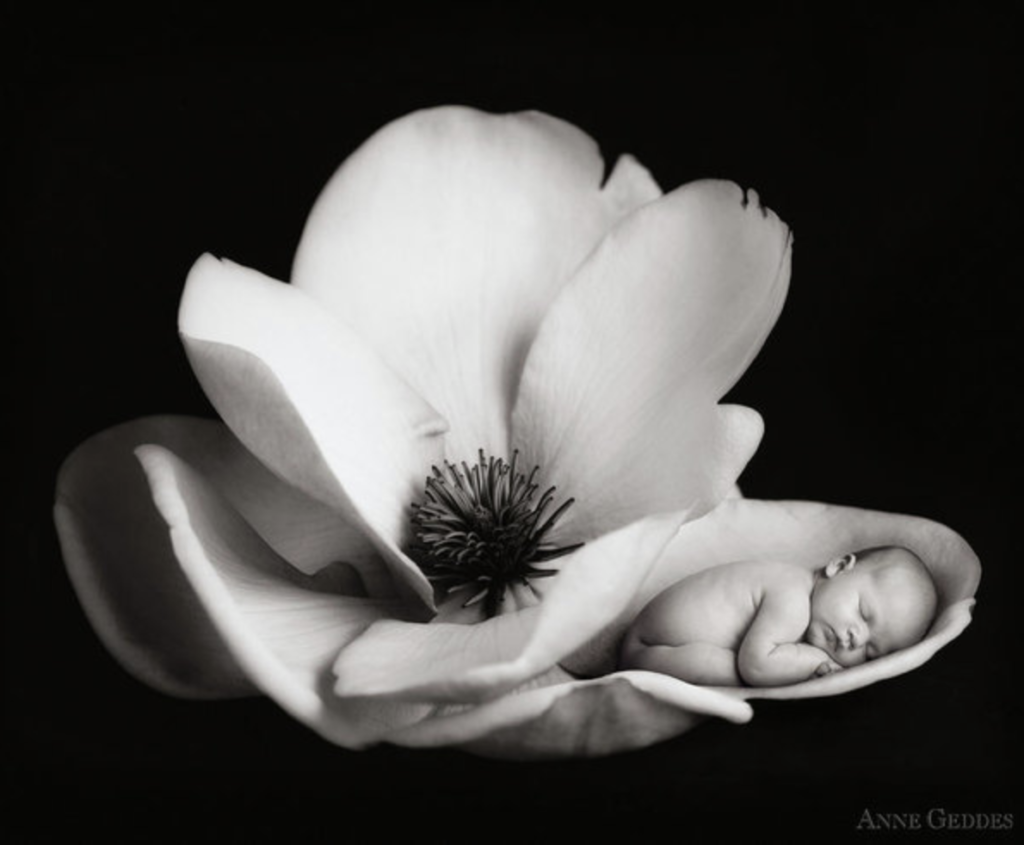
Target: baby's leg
696,663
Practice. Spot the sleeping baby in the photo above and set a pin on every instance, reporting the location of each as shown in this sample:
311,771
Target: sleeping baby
769,624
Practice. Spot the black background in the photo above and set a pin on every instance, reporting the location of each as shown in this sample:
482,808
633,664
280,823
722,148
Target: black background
890,382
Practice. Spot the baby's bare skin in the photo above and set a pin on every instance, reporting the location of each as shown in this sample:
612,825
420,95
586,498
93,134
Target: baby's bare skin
729,625
771,624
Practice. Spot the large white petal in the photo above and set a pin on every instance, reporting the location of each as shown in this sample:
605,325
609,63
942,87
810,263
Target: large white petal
281,631
313,402
443,239
305,532
617,402
452,662
590,718
121,565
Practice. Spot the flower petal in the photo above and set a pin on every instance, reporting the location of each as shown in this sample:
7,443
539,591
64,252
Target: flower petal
121,565
810,534
452,662
303,531
444,238
617,399
312,402
282,632
726,453
306,533
618,712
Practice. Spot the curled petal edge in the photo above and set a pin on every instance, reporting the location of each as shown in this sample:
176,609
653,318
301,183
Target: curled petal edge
283,635
121,566
584,718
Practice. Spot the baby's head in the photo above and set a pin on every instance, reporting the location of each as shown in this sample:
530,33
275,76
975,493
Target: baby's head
871,603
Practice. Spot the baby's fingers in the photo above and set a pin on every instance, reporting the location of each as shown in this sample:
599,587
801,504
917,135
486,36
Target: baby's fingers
826,667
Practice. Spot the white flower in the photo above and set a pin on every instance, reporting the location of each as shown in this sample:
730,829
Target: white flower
466,284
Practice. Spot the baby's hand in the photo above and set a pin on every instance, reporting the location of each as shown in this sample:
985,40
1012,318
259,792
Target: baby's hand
826,668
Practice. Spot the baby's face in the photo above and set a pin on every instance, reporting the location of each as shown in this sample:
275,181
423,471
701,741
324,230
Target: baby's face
864,609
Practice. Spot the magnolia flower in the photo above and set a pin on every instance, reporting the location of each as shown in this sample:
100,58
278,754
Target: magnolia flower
478,430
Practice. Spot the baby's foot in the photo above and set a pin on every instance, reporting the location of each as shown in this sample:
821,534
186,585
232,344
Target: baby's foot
827,667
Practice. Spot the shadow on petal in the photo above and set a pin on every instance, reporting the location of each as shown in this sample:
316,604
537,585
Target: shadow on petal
282,631
313,402
120,561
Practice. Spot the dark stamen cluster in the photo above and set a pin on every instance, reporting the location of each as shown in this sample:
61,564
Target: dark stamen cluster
479,529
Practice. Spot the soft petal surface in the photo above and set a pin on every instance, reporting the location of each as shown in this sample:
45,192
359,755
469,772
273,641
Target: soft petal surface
452,662
313,402
305,532
590,718
617,401
443,239
121,564
279,628
810,534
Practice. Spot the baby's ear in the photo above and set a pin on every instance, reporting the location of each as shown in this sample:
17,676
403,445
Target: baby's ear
840,564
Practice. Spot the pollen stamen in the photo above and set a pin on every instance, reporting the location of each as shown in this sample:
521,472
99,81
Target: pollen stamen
478,528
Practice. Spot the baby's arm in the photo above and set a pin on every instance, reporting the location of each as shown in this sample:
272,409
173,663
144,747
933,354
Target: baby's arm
771,653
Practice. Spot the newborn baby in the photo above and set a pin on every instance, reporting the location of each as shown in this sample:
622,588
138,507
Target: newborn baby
768,624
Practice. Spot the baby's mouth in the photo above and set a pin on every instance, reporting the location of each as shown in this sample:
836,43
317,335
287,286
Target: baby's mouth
847,648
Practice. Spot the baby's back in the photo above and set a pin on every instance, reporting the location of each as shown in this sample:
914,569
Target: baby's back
715,606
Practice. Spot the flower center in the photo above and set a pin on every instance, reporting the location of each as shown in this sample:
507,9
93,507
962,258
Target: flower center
479,529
